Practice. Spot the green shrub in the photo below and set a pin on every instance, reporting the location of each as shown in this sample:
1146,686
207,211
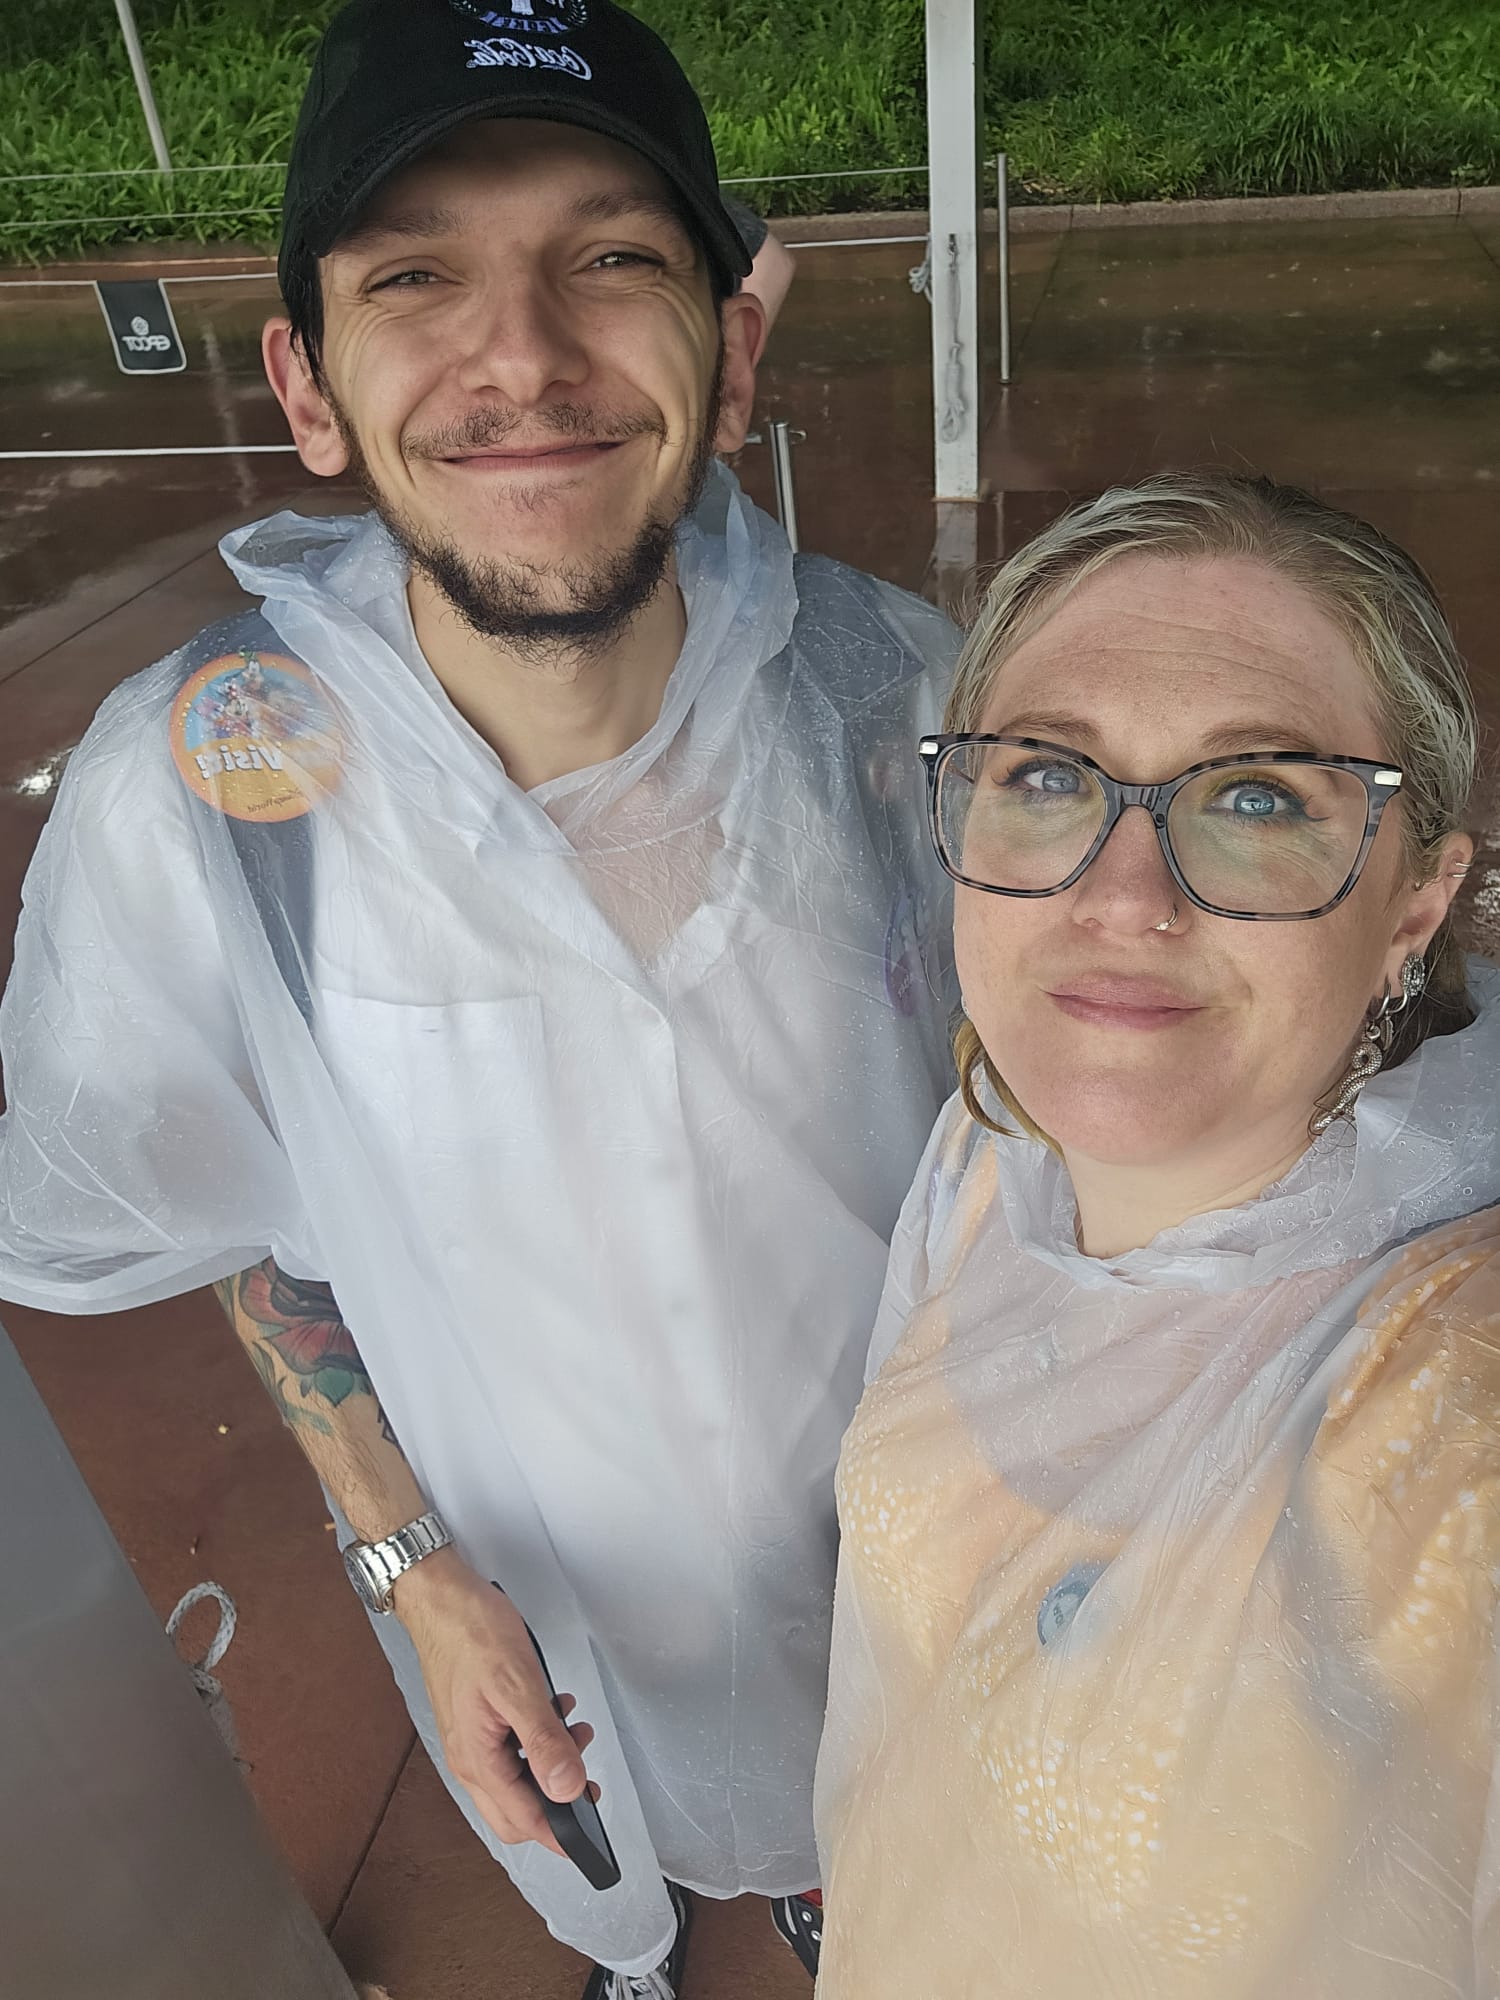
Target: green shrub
1094,100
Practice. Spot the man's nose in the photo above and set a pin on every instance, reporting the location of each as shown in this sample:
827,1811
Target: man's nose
519,344
1127,886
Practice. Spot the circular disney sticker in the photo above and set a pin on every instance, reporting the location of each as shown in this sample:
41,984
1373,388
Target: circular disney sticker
255,736
1059,1607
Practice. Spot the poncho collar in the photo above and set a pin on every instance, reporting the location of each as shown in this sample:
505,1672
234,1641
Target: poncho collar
1424,1149
346,574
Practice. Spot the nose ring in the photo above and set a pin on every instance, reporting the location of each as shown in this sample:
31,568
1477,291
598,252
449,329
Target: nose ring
1176,913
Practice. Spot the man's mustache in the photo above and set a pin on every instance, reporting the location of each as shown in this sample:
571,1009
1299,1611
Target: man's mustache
570,423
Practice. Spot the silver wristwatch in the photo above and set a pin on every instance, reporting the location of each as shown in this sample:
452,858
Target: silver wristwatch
374,1567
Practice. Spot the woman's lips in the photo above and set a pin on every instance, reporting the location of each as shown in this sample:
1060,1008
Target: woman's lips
1123,1003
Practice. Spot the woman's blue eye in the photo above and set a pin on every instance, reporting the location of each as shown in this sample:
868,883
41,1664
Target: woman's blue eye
1064,779
1260,801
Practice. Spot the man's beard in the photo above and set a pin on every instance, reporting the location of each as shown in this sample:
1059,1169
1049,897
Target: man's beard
508,600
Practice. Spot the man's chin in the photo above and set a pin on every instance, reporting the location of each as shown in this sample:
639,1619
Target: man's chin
543,603
552,530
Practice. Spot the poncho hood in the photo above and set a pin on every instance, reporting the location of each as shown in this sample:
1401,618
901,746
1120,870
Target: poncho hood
733,565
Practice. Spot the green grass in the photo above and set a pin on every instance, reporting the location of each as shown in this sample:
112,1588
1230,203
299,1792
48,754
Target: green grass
1095,100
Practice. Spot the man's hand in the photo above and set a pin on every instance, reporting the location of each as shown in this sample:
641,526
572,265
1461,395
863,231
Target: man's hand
487,1690
489,1697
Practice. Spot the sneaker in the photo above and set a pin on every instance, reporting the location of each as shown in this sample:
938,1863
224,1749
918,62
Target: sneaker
665,1982
800,1922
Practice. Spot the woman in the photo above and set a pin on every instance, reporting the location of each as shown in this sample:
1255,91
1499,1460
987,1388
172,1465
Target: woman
1165,1644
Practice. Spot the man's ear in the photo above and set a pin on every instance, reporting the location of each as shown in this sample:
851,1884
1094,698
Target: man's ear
320,444
742,319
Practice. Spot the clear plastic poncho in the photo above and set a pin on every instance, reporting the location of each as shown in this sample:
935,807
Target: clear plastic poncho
1165,1646
595,1105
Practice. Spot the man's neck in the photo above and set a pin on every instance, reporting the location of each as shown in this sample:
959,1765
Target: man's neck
544,718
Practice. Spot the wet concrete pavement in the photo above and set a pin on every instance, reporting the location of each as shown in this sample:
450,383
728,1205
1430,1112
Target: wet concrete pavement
1358,357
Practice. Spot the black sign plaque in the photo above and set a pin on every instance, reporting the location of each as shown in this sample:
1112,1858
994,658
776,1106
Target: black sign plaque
141,326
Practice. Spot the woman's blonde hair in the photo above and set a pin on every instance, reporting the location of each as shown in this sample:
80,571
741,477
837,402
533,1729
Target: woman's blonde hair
1372,590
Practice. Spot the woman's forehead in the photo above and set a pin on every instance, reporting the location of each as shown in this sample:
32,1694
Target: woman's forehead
1185,649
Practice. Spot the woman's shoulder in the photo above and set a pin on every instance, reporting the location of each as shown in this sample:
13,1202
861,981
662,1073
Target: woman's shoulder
1435,1307
1409,1449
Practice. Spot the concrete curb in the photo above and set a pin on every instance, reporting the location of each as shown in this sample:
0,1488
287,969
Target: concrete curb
1046,219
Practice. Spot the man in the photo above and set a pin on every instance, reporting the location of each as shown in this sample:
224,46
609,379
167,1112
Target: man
500,962
772,265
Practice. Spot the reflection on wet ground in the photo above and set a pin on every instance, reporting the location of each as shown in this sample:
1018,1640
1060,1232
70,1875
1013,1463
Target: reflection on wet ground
1360,358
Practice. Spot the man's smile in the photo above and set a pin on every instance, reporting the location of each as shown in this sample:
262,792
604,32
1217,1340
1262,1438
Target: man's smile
530,462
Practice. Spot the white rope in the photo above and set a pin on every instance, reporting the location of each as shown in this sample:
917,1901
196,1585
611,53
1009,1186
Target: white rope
210,1690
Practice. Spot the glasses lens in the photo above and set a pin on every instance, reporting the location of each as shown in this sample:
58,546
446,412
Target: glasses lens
1266,838
1015,818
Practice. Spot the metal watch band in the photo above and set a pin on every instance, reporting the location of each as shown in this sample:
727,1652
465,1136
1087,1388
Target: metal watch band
380,1564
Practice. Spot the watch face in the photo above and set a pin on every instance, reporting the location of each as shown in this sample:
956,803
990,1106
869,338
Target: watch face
364,1586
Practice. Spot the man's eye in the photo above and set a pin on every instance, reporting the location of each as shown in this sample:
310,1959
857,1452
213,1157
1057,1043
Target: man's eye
624,260
404,281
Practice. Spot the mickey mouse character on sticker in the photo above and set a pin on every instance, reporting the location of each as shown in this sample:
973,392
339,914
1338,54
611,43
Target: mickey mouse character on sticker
255,736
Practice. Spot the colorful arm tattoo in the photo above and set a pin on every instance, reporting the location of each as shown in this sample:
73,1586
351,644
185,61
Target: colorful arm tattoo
299,1336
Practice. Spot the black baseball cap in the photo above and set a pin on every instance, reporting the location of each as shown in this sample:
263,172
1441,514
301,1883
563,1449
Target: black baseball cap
393,76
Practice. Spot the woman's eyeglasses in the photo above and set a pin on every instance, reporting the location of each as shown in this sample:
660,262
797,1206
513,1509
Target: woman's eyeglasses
1265,838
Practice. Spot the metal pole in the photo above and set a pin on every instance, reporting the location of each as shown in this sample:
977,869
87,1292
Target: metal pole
955,559
154,451
143,84
1002,213
786,490
954,67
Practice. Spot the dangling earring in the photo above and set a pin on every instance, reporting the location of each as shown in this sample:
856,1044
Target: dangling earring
1374,1044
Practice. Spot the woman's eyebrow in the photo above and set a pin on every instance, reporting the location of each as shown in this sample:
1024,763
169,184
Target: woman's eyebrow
1260,736
1075,728
1221,742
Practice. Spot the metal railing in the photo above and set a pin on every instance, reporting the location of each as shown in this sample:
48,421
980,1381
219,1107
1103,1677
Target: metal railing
1002,193
164,167
279,166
